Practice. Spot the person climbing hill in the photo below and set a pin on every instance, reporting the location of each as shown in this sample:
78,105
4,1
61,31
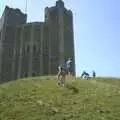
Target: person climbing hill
61,75
69,66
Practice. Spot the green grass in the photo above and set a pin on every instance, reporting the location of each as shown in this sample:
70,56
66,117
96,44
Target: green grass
40,98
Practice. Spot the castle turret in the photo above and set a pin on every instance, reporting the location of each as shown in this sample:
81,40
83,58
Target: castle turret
60,4
10,18
61,39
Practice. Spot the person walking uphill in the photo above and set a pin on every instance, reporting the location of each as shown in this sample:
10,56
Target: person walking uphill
61,75
69,66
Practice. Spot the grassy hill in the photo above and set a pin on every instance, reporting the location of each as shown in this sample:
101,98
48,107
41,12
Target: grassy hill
40,98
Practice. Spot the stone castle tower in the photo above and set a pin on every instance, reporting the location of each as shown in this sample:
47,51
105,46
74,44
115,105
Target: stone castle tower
37,48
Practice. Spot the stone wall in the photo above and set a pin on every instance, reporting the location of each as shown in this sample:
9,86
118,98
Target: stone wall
31,47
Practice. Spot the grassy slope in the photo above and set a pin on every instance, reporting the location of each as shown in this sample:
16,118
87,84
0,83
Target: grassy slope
41,99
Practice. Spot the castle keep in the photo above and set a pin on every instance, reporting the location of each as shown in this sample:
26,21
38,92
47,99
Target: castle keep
37,48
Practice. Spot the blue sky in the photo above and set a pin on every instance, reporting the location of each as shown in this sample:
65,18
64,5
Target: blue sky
96,31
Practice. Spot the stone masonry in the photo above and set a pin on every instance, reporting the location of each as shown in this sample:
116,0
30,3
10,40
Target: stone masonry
37,48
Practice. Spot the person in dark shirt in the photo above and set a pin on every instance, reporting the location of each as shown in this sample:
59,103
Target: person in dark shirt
93,74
